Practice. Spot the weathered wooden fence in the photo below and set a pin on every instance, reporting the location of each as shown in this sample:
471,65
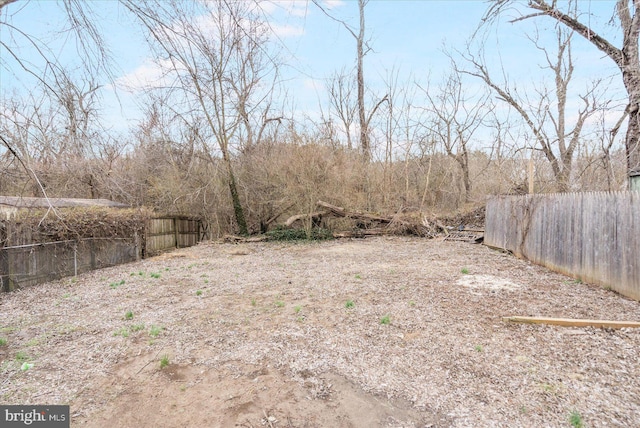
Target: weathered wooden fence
32,264
591,236
166,233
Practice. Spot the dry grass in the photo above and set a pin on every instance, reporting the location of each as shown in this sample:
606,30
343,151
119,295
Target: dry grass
270,341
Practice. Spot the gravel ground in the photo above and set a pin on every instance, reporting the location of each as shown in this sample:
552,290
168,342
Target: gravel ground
386,331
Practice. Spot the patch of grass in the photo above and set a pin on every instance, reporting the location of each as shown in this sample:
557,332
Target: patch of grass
140,273
385,320
199,293
297,309
479,348
3,341
35,341
253,302
412,303
66,295
128,315
155,331
206,281
116,284
155,275
124,332
280,303
575,419
358,276
464,270
349,304
137,327
22,357
164,361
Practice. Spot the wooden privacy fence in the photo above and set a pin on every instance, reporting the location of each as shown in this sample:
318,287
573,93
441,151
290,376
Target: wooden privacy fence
167,233
591,236
32,264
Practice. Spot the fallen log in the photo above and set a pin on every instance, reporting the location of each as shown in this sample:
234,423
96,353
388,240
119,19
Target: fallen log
315,217
361,233
237,239
357,215
569,322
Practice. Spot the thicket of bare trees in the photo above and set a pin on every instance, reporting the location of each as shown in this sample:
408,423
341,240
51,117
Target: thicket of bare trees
216,140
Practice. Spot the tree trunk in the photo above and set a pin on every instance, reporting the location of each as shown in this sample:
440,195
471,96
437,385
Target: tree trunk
364,126
235,199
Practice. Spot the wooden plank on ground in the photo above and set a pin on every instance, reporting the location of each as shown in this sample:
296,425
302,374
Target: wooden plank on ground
570,322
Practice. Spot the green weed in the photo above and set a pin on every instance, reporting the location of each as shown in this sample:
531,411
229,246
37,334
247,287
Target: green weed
575,419
128,315
285,234
280,303
385,320
124,332
3,341
155,331
358,276
253,302
350,304
199,293
412,303
464,270
164,361
479,348
297,309
137,327
154,275
116,284
22,357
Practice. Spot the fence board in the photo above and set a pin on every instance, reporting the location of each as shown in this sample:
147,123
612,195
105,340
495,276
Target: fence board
591,236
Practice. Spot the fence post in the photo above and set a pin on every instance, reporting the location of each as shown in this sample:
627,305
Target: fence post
175,231
136,243
75,258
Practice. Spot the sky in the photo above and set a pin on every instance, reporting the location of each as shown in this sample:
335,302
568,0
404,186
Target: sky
409,37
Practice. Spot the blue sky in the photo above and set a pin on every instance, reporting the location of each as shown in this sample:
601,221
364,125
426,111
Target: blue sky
408,36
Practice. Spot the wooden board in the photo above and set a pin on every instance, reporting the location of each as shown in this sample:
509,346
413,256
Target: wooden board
569,322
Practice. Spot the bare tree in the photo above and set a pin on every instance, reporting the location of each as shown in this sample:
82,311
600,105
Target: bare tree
47,71
455,119
560,143
362,48
341,99
216,55
626,57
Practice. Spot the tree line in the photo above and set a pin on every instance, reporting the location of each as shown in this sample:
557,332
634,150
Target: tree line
218,139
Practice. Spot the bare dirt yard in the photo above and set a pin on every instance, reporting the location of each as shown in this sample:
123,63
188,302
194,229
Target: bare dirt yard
388,331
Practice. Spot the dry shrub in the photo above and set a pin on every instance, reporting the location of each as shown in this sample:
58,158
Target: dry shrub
35,226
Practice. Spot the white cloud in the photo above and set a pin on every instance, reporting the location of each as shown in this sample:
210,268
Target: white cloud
149,73
333,4
287,30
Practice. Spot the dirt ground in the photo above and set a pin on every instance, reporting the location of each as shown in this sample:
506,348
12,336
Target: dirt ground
388,331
